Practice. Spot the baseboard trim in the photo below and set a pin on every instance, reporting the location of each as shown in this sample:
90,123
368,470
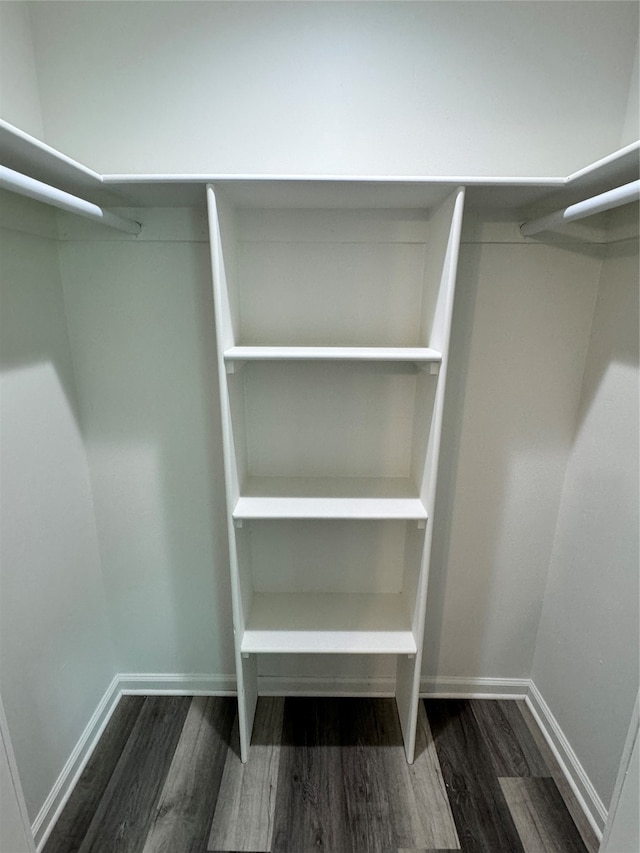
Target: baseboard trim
193,684
276,685
438,687
151,684
435,688
70,773
574,772
176,684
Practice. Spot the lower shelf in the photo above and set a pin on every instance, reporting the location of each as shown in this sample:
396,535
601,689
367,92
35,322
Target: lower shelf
328,624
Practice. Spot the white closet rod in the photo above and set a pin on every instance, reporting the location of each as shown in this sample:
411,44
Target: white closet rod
24,185
599,203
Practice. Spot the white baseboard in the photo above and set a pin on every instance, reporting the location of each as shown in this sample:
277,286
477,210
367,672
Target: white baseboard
442,687
176,684
276,685
576,776
158,684
467,688
59,794
123,684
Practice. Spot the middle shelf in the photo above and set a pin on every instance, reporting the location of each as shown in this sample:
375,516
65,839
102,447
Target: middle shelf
330,440
330,498
417,355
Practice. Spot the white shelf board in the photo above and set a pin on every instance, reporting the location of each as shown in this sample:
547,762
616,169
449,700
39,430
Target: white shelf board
24,153
619,168
328,624
411,354
326,191
330,498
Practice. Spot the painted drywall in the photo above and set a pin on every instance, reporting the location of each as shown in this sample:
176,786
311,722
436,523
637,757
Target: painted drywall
335,88
141,329
56,656
140,320
631,127
519,338
19,93
586,661
15,829
623,825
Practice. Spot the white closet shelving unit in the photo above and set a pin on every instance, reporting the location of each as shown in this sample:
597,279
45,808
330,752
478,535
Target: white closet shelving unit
333,319
333,301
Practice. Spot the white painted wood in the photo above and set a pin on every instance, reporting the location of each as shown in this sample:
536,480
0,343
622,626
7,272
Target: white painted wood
24,185
357,508
328,623
255,191
62,789
418,192
247,699
24,153
176,684
610,167
570,764
418,355
448,227
442,687
451,687
330,497
608,200
246,669
330,431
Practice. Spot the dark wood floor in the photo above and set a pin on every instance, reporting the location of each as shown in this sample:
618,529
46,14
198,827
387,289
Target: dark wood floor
323,774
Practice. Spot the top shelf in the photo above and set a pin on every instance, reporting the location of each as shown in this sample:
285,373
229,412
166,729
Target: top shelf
24,153
418,355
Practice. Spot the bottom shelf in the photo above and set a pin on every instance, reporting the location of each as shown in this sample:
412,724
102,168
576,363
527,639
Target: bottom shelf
328,624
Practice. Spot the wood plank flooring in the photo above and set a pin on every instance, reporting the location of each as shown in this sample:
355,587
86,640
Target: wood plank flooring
323,774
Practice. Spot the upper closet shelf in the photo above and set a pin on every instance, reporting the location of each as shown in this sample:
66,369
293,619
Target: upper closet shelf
24,153
418,355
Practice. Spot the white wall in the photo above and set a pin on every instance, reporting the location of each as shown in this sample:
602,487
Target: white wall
520,332
140,320
19,93
56,656
357,88
142,338
622,831
631,128
586,661
15,828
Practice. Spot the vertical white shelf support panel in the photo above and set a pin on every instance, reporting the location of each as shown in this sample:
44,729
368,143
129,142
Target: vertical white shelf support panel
333,311
246,667
443,264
